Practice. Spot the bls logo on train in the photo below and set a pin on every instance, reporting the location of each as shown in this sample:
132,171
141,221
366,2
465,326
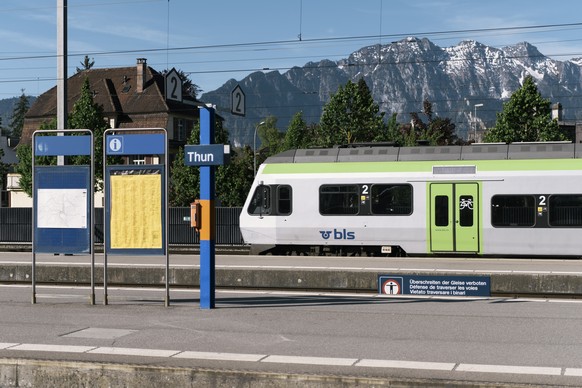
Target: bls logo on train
338,234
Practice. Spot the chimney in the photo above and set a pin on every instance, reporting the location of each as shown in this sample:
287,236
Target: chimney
141,74
557,111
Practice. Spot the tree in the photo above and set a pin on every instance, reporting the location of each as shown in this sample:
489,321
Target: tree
437,130
86,64
299,134
24,154
17,120
391,132
527,116
189,88
3,131
233,180
271,139
4,168
184,180
85,115
350,116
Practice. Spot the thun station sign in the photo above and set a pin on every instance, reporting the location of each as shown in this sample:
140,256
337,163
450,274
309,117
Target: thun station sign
206,155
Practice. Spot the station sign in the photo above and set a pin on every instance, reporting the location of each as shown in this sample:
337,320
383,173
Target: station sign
420,285
206,155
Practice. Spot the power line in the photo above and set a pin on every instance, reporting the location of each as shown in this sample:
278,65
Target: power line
303,41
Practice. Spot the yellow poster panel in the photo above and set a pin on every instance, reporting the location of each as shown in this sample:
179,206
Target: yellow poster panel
136,212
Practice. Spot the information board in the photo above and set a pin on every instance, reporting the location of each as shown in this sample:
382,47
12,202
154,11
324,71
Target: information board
135,209
62,204
136,196
63,196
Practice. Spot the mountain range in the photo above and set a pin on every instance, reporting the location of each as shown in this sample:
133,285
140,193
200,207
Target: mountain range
401,75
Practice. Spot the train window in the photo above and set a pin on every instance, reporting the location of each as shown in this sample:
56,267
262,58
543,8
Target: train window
565,210
441,210
261,201
338,199
466,210
284,200
513,210
391,199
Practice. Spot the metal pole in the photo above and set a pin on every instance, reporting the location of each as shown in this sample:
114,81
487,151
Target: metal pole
167,218
208,229
92,222
475,122
61,70
255,148
105,218
34,209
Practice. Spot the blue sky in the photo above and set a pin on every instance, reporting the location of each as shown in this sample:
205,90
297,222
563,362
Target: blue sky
217,40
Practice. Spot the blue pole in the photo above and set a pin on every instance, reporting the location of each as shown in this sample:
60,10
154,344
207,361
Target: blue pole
207,231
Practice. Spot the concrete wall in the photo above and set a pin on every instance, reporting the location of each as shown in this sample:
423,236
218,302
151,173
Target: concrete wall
337,280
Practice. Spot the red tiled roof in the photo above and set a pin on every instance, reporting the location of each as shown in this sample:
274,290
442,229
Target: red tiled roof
116,90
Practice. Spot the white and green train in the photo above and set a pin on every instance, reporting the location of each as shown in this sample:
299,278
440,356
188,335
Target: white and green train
488,199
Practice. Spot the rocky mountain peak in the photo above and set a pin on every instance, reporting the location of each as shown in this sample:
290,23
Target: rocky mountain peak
401,75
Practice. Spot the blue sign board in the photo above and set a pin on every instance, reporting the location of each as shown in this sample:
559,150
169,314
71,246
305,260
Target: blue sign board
62,145
138,144
62,209
204,155
434,285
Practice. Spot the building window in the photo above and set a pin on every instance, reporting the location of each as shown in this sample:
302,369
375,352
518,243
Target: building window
513,210
181,132
139,159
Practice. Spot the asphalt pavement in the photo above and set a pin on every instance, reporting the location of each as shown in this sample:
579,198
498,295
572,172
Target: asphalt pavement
286,337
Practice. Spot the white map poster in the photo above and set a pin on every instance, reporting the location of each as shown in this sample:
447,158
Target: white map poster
62,208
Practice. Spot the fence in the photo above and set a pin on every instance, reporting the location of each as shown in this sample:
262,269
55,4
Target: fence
16,226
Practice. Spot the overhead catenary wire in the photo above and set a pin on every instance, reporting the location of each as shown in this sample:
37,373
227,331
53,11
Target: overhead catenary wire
294,41
276,45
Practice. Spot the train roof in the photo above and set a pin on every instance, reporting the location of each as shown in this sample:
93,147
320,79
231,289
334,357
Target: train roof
484,151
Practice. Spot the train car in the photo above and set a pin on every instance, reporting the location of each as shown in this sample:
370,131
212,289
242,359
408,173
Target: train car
522,199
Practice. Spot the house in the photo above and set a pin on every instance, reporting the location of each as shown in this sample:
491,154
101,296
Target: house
9,158
572,128
131,97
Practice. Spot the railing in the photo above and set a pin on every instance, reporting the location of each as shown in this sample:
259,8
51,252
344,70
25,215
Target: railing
16,226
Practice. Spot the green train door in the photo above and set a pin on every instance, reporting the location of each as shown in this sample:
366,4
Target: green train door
454,217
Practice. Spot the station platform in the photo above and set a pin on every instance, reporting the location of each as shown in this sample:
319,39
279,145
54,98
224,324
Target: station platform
555,277
287,322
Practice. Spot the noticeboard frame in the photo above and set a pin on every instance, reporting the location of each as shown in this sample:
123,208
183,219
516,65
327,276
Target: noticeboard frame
67,142
125,142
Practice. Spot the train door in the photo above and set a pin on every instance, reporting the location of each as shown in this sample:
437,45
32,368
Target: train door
454,217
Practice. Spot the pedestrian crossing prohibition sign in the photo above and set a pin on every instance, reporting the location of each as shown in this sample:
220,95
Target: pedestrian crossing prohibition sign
392,286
